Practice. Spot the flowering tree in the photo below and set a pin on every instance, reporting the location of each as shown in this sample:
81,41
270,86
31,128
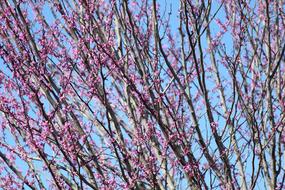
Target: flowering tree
122,94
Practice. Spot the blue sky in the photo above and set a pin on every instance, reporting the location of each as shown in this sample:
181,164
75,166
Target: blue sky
174,22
